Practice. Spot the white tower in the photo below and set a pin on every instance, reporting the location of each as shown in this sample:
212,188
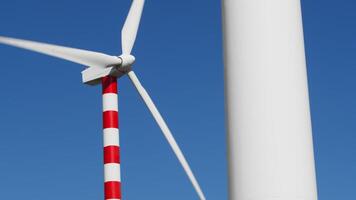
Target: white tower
270,146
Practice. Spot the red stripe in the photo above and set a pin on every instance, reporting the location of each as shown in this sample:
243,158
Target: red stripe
112,190
111,154
109,84
110,119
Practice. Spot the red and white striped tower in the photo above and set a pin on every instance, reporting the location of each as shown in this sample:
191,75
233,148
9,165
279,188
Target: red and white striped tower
111,139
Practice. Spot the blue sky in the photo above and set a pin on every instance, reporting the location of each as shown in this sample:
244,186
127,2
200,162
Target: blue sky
50,130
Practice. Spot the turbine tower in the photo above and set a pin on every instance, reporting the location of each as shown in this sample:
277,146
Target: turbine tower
270,147
105,69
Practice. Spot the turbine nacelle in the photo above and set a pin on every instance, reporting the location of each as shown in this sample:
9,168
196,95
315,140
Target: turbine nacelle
93,75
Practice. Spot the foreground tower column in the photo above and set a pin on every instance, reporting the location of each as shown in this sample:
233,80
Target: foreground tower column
270,147
111,139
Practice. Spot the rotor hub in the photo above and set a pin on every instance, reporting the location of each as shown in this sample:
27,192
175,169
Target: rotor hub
126,61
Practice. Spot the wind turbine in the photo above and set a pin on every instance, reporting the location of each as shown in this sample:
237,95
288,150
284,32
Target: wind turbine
105,69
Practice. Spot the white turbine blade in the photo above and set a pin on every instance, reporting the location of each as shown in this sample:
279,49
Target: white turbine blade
129,31
167,133
84,57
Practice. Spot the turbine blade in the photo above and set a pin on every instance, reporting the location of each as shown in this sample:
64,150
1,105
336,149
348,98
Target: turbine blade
129,31
167,133
84,57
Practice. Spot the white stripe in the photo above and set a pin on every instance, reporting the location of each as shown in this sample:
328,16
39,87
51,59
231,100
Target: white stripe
112,199
111,137
110,102
112,172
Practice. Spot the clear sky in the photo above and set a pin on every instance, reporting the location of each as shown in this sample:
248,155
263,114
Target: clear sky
50,123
